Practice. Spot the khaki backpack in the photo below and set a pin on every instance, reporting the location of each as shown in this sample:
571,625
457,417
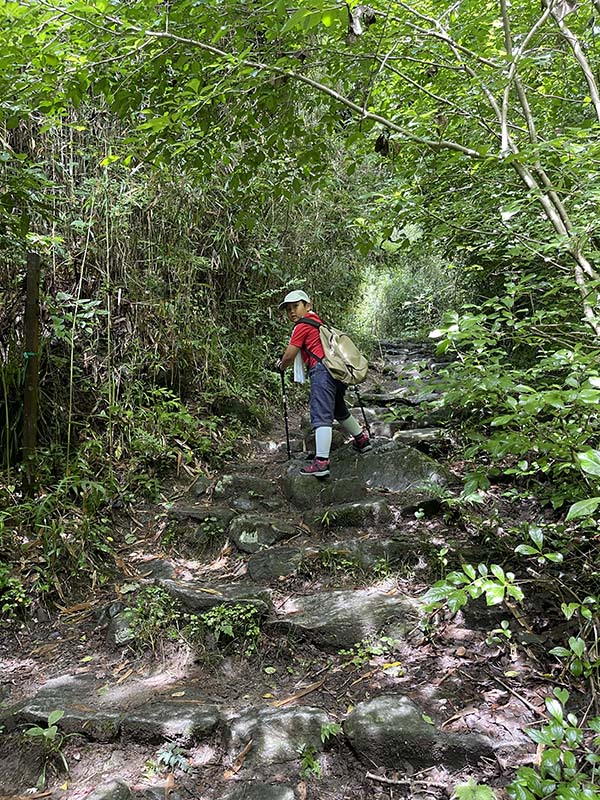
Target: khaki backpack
342,359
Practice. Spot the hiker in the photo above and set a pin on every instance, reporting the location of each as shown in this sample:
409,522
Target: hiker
326,394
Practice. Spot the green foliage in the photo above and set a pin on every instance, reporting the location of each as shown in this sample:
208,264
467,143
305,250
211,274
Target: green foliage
67,535
338,561
309,762
210,528
406,295
460,586
329,730
13,597
527,396
172,757
568,756
238,623
363,652
473,791
154,616
582,659
536,536
52,742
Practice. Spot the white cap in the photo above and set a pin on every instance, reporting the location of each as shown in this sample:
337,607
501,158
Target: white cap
294,297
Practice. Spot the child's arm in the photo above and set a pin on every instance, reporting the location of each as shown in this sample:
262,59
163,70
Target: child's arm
287,359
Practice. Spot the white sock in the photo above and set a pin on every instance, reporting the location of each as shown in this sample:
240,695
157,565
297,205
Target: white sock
323,442
351,426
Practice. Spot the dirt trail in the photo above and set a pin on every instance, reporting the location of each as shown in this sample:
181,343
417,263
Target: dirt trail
351,691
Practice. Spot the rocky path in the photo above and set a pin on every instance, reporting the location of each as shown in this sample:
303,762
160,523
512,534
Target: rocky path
336,684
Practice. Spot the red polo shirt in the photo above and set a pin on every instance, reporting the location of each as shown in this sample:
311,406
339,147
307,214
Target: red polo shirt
308,336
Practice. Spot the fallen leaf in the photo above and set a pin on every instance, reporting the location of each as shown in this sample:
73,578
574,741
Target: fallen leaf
301,790
239,762
74,609
313,687
169,785
364,677
124,676
459,714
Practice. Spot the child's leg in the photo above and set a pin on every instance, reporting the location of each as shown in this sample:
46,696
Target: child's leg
322,404
362,441
323,441
342,414
351,426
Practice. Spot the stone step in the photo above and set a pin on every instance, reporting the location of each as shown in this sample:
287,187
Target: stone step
342,618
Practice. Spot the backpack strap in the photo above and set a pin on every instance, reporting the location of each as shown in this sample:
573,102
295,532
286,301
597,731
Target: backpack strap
313,324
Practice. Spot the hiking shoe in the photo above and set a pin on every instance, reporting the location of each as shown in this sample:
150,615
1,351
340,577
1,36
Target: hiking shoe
318,469
362,443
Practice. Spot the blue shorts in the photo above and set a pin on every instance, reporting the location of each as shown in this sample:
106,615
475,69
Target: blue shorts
326,398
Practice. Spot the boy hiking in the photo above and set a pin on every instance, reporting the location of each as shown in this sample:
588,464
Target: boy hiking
326,394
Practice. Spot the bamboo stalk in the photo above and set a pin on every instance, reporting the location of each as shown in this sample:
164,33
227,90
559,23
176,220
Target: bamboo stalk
32,371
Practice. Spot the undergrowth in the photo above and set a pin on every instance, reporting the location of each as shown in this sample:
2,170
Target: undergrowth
521,393
156,617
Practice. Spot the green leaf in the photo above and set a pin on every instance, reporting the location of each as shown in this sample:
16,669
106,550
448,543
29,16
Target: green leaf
494,594
457,600
541,737
561,694
577,645
503,420
561,652
473,791
536,536
554,708
594,724
35,731
54,716
590,462
569,609
526,550
583,508
551,756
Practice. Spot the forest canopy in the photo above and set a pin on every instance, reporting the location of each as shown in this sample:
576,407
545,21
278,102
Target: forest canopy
176,165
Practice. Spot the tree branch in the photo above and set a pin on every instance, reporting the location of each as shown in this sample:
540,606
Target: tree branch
433,144
441,33
581,59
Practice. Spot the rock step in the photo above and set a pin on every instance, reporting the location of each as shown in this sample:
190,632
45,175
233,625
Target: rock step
343,618
388,730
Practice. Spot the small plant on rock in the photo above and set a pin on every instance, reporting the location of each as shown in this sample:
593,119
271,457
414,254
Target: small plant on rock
210,527
52,742
362,652
329,730
154,616
309,763
172,757
228,623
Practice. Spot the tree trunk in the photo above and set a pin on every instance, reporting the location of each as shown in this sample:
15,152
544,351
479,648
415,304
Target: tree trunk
32,371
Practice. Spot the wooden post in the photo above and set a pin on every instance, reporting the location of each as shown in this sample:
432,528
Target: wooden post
32,371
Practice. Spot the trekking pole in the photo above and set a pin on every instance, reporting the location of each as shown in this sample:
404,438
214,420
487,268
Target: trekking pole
363,410
285,415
